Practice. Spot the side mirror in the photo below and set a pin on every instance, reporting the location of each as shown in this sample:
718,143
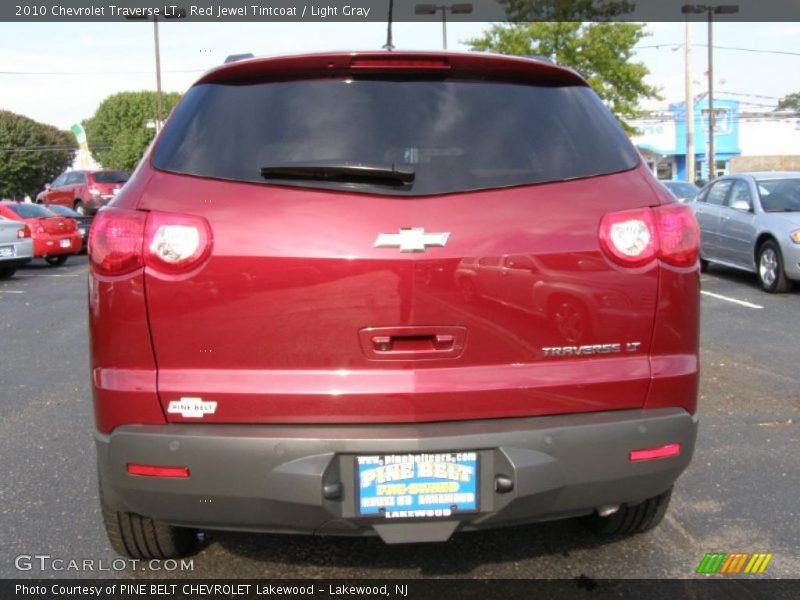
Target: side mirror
742,205
47,186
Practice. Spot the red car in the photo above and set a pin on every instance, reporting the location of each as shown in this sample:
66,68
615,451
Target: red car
54,238
85,192
280,336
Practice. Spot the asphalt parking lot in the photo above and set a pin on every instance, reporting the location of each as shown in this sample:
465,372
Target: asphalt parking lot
739,495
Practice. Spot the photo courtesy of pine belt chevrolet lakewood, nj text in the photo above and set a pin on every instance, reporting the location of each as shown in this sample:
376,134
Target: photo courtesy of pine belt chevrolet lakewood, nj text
390,313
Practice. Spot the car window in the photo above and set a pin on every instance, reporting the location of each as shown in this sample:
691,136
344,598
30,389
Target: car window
62,210
740,192
77,178
681,189
60,180
520,262
779,195
489,261
110,177
718,191
29,211
454,135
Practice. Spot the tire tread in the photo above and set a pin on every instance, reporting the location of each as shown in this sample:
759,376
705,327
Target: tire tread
144,538
631,518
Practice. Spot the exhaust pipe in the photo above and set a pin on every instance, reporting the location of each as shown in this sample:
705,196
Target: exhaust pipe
607,510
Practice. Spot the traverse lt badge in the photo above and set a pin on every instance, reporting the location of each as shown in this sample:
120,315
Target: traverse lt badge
411,239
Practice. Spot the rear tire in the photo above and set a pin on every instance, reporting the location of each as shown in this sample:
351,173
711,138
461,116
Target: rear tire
141,537
7,273
770,271
631,518
703,265
56,261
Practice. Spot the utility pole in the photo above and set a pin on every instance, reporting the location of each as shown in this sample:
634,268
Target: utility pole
712,157
175,12
691,176
710,10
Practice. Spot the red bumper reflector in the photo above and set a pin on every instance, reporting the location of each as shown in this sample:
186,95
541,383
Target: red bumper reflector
156,471
653,453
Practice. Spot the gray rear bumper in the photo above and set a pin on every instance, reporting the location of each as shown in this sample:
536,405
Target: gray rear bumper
271,477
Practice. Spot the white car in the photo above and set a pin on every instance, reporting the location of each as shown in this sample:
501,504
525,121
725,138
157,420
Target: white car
16,246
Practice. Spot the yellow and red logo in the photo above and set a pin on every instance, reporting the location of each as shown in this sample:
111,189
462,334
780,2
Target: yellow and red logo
734,563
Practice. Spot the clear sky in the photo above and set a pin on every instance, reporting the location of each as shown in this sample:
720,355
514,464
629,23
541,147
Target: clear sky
60,72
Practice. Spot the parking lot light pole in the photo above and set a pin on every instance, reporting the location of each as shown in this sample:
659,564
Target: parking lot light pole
432,9
710,10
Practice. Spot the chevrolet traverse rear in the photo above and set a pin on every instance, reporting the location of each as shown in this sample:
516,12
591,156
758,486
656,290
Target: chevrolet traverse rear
394,294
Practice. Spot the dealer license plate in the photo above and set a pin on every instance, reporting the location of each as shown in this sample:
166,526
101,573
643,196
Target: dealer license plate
6,251
65,243
411,486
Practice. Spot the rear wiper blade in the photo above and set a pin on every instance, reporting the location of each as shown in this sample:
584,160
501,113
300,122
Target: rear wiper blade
342,172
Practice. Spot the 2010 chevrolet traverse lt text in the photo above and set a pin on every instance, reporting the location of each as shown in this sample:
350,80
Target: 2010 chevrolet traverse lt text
390,293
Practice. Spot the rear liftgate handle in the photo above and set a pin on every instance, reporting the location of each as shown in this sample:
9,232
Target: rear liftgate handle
412,343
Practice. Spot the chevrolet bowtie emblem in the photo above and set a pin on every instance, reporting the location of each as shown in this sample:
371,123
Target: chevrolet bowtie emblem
411,239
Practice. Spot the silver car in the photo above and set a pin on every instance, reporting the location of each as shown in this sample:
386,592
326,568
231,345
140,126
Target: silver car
751,221
682,190
16,246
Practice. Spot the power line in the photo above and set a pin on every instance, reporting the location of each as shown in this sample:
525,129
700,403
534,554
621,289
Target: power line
737,48
53,148
98,72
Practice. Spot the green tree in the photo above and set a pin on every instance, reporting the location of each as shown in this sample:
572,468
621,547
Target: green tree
120,124
600,52
565,10
789,102
31,154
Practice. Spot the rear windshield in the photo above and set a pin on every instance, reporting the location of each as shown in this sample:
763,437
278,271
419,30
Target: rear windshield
780,195
30,211
454,135
681,189
57,209
110,177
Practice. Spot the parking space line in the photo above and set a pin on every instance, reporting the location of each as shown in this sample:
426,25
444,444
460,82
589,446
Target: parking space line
734,300
12,292
37,275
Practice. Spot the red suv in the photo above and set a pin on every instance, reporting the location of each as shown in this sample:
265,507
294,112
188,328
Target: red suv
282,339
86,192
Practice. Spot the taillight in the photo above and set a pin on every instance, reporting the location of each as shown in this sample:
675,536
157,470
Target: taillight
23,233
122,241
633,238
116,240
678,235
176,243
406,64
